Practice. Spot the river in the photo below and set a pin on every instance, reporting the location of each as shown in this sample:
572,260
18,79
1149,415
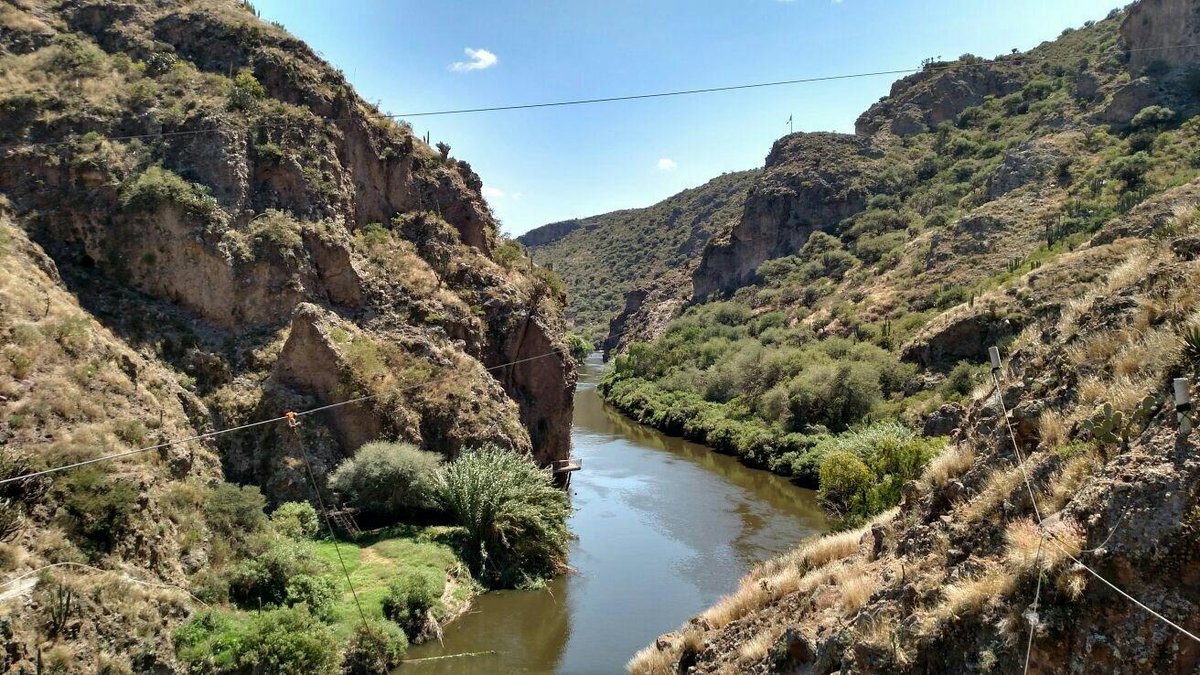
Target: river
665,527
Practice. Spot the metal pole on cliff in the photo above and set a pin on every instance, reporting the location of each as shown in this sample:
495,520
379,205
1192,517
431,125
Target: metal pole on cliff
790,130
994,353
1183,405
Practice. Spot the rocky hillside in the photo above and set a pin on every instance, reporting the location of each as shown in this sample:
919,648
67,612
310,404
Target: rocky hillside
610,261
202,225
1045,202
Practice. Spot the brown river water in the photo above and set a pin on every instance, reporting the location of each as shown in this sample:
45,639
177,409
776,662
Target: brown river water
665,527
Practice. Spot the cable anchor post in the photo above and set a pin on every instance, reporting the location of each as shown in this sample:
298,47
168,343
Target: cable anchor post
1183,406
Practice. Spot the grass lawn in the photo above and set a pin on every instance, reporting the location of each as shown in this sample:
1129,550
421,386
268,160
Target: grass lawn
376,558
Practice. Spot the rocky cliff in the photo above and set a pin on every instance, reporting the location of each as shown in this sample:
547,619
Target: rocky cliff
205,226
1045,212
649,251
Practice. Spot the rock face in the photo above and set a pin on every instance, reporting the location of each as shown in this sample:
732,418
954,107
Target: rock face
647,311
811,182
939,93
1166,30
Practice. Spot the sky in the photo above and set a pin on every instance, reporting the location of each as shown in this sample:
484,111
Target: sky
545,165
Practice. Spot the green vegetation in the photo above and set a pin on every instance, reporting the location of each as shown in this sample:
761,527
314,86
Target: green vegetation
579,346
514,516
604,257
411,596
387,480
285,641
297,520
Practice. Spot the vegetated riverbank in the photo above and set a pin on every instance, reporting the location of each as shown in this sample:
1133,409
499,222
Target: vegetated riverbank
824,414
663,526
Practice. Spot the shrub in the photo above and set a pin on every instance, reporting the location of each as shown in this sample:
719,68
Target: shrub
247,90
318,593
282,641
156,187
1152,116
234,511
1130,168
508,253
269,579
376,647
100,509
387,480
961,380
514,516
410,597
835,395
844,479
297,520
578,346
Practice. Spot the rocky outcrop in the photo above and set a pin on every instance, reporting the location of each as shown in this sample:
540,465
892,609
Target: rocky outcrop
647,312
1154,213
811,182
1129,100
1162,30
937,94
549,233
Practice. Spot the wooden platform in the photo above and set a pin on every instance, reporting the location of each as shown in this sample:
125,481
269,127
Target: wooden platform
567,465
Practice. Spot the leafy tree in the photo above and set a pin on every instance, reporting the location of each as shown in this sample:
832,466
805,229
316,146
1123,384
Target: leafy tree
283,641
99,508
387,480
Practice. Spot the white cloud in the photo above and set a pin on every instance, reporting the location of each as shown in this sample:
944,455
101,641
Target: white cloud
480,59
667,164
492,193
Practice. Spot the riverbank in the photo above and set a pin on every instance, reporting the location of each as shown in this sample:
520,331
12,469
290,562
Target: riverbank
664,527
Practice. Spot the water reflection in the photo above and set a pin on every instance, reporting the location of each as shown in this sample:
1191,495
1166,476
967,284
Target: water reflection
665,527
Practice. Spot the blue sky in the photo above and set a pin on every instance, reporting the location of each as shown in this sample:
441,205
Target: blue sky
540,166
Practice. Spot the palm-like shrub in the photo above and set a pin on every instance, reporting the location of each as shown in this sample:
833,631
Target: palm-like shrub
514,517
387,480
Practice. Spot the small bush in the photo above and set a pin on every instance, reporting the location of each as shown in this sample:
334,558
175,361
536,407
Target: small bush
157,187
845,479
376,647
410,597
1152,116
282,641
99,508
961,380
236,512
387,480
578,346
247,90
297,520
514,516
271,578
508,253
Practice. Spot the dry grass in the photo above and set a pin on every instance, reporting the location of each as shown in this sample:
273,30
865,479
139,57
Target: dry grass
1065,485
651,661
857,585
1052,429
1122,392
970,596
747,598
952,463
1023,537
756,648
1000,484
813,554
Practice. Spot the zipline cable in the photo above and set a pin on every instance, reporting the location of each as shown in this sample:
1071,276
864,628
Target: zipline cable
294,425
214,434
1047,535
1020,60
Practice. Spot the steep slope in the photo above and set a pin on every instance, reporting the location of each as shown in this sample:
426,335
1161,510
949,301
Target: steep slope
643,251
204,226
1046,203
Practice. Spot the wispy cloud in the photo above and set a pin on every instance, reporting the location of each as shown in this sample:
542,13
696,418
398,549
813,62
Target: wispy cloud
479,59
492,193
667,164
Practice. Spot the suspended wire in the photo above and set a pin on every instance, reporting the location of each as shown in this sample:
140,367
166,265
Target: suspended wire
1018,60
1047,535
124,576
214,434
294,425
